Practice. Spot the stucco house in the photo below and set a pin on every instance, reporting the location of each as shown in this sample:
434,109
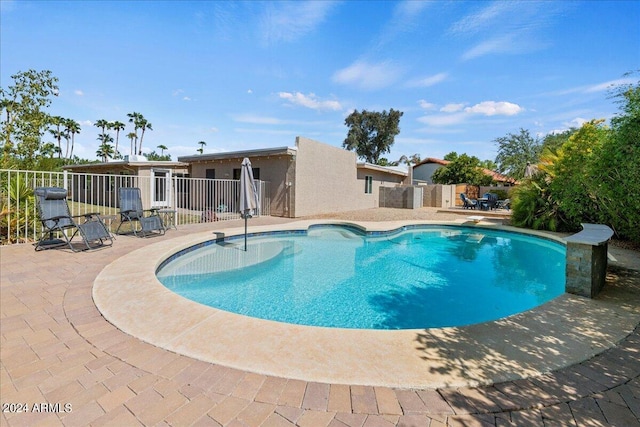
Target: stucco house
98,182
423,172
310,178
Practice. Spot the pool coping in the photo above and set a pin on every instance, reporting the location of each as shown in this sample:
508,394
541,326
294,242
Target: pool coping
560,333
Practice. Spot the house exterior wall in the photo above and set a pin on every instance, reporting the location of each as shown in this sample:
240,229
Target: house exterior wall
380,180
424,172
325,179
276,169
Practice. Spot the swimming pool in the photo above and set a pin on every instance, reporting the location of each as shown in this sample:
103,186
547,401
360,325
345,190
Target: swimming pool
337,276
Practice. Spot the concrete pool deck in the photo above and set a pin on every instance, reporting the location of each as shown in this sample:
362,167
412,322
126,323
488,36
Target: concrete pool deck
129,296
58,348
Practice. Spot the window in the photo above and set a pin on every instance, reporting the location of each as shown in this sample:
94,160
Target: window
368,184
211,173
256,173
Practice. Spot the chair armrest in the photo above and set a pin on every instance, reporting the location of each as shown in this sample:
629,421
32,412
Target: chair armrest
87,215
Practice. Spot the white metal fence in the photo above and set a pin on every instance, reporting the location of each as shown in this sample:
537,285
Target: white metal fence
190,200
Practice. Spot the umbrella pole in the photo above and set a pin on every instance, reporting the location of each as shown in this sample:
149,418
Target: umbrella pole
245,232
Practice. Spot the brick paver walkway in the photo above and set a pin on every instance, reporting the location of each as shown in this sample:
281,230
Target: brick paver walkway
63,364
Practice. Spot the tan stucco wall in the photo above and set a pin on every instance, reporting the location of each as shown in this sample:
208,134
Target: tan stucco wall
325,178
380,179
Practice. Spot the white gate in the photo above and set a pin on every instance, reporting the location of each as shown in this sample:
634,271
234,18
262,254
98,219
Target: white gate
160,188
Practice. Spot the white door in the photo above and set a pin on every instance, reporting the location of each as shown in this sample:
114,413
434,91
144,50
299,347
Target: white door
160,188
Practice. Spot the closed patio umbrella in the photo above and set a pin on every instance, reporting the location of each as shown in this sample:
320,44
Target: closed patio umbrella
530,170
248,195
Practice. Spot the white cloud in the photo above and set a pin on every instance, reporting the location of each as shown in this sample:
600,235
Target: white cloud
249,91
310,101
457,113
485,18
601,87
452,108
443,120
257,120
426,105
492,108
428,81
368,76
288,21
78,92
406,17
186,98
177,92
504,44
575,123
86,123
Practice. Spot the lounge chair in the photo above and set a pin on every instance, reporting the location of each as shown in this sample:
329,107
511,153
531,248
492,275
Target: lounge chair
58,223
490,201
467,203
131,211
504,204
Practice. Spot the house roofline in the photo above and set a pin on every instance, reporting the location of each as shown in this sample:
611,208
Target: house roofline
263,152
371,166
126,163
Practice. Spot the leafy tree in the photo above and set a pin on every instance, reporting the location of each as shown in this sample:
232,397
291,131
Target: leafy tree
162,147
462,169
616,167
158,157
515,151
24,120
554,141
488,164
451,156
570,173
371,134
117,126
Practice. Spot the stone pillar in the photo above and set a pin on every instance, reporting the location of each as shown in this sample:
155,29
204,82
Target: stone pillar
587,260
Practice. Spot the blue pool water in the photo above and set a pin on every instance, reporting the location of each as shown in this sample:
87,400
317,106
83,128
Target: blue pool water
338,277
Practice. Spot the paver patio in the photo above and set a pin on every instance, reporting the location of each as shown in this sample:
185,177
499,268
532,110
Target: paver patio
56,348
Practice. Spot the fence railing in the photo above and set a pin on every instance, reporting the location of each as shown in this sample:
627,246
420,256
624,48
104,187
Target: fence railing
193,200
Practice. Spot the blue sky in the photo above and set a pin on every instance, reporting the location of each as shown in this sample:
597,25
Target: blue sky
245,75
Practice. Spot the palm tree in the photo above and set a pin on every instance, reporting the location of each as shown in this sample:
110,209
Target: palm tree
132,136
105,150
139,122
135,119
201,149
117,126
72,127
162,148
144,124
58,134
102,124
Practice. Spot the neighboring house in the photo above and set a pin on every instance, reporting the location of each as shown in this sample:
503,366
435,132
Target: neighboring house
310,178
423,172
